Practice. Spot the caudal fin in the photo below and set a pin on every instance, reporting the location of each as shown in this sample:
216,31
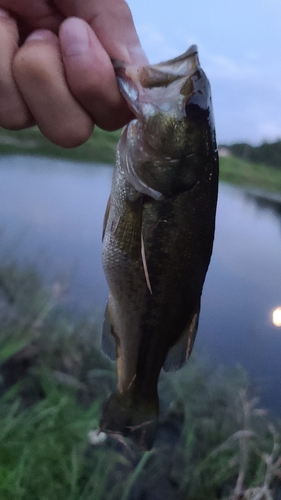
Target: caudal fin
134,419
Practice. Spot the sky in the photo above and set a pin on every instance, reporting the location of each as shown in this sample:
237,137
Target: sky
239,44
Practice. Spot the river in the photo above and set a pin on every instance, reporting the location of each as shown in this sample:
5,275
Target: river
51,216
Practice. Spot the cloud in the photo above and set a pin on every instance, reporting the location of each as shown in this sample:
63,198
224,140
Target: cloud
220,67
269,131
155,44
245,112
246,96
246,86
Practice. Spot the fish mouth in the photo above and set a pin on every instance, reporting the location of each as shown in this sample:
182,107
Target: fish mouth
191,51
157,75
166,72
145,85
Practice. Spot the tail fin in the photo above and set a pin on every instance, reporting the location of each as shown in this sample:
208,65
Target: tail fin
134,419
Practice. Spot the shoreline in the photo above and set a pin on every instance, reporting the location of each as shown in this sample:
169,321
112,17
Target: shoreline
101,147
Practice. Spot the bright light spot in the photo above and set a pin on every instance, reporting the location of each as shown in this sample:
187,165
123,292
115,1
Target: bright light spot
276,316
97,437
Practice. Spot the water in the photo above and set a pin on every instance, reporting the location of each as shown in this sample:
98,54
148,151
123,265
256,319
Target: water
51,214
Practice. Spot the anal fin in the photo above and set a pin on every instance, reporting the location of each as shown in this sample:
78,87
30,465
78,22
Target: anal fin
134,418
181,351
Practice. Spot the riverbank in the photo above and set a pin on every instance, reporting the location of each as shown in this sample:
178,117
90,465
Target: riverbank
213,439
101,147
242,173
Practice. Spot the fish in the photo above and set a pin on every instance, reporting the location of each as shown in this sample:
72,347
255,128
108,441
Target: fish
158,235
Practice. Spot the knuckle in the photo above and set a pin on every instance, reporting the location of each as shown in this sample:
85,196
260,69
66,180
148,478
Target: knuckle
14,114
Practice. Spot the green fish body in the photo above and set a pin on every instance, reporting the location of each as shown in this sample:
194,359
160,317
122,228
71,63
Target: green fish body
158,234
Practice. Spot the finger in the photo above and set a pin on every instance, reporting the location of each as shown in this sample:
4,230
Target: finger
90,75
113,24
14,114
39,74
32,14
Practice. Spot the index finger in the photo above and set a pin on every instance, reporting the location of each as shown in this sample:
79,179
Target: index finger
112,22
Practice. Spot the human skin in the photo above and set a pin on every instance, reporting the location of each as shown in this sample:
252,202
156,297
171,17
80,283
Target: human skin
55,66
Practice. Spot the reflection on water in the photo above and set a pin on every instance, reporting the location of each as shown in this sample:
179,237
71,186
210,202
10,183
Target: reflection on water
272,203
266,201
51,213
242,288
276,316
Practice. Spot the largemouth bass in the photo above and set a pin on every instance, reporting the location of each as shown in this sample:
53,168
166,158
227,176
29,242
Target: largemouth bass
158,234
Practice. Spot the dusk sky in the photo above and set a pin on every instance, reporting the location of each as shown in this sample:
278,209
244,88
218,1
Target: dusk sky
239,46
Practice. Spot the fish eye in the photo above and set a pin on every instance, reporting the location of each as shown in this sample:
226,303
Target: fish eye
194,111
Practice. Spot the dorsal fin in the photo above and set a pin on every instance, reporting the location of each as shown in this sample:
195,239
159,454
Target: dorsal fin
108,343
181,351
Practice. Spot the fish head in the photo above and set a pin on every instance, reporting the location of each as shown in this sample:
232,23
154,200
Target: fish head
172,103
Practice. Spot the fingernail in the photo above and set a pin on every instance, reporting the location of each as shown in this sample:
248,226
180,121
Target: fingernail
44,35
74,37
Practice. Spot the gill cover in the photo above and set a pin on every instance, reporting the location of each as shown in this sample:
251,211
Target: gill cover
158,95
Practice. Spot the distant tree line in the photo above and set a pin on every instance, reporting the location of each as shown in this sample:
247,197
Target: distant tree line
268,153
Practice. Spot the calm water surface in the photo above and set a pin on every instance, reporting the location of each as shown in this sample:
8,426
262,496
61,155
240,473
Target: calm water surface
51,214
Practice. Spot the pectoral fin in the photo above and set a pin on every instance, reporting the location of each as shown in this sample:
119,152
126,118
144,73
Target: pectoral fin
181,351
105,219
108,342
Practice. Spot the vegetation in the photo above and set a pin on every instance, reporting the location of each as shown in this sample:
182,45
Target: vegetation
213,442
267,153
242,172
255,166
260,167
99,148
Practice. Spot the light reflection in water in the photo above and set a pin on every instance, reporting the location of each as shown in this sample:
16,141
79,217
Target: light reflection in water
276,316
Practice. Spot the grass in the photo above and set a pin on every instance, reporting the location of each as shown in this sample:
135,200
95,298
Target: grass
41,447
226,440
100,148
213,442
240,172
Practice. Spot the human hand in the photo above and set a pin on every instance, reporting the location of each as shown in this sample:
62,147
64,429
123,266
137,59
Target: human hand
56,69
